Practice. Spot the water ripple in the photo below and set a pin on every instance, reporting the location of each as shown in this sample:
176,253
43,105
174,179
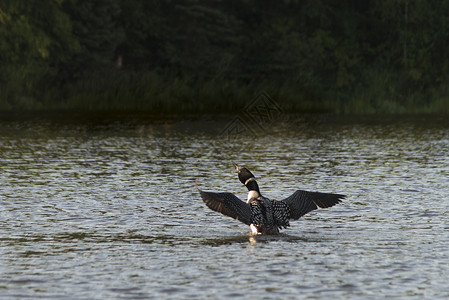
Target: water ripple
108,209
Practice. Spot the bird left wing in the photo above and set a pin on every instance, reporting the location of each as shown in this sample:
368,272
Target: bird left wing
227,204
303,202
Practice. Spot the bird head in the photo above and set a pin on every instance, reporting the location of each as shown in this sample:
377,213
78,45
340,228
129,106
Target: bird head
244,173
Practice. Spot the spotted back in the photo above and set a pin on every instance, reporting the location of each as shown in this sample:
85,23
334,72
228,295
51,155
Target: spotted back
281,214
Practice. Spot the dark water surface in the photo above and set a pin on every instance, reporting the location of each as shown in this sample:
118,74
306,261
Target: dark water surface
104,207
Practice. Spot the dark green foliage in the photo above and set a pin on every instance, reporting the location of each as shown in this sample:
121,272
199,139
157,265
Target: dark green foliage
96,25
344,56
35,39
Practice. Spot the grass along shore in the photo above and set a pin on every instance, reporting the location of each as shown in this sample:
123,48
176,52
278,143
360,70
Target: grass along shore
153,93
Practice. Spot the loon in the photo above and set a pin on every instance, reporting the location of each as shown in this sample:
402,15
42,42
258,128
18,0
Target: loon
263,215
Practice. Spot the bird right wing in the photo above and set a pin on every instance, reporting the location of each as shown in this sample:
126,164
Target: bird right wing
303,202
227,204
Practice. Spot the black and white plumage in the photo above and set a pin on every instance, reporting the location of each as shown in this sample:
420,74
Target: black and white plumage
263,215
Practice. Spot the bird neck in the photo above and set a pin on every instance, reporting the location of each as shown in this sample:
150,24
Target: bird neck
253,188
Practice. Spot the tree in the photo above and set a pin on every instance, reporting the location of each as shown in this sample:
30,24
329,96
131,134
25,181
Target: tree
98,30
35,38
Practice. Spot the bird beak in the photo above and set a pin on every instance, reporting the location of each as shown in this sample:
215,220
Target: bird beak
237,168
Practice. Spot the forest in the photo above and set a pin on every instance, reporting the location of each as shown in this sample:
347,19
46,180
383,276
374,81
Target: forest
195,56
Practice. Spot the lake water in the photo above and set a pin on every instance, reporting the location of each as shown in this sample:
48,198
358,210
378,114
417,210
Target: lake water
104,207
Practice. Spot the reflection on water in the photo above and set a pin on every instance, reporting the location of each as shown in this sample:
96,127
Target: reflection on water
105,207
253,239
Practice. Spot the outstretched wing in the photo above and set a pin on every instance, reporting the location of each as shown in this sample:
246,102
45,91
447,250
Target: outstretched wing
303,202
228,205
